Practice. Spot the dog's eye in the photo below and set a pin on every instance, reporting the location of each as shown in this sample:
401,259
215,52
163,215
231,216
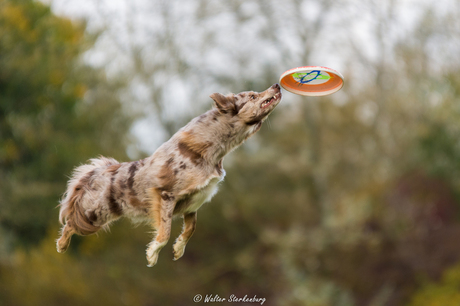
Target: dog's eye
253,97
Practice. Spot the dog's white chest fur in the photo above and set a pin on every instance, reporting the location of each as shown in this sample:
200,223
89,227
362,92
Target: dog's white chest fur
205,194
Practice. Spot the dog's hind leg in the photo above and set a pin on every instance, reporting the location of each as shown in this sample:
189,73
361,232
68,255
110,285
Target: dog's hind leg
187,232
64,241
163,227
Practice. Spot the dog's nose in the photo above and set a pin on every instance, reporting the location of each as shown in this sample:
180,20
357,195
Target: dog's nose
276,86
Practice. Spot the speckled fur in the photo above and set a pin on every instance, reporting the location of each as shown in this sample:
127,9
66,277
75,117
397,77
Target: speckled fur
176,180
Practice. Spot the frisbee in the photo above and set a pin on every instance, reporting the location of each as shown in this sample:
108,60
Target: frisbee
312,81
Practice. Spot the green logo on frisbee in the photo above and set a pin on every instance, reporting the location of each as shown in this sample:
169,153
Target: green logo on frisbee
313,77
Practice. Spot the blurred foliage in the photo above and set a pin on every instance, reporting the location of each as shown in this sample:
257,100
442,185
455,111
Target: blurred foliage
55,112
351,199
443,293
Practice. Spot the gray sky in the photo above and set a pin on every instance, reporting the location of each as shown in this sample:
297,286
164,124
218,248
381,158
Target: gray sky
221,42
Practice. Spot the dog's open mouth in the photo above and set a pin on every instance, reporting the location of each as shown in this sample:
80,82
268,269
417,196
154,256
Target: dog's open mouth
270,100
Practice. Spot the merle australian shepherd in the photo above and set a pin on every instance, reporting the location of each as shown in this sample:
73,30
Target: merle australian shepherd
176,180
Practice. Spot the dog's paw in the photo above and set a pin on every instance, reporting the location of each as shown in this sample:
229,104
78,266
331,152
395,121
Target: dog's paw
152,260
178,250
61,247
153,251
152,256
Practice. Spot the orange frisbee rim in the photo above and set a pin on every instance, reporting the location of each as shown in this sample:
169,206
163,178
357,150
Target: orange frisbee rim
312,81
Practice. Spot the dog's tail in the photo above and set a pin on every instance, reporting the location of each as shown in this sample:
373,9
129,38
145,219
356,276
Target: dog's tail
72,213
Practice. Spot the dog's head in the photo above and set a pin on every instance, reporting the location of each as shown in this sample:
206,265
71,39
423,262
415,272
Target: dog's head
249,108
235,118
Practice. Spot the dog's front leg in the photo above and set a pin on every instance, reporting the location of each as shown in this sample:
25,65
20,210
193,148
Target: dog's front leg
163,227
187,232
64,241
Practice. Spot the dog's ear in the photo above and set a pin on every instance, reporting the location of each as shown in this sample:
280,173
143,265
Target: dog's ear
225,104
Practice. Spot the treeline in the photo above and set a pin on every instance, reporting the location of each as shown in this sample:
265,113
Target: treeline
351,199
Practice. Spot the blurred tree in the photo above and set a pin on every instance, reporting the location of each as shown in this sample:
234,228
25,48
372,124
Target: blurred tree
55,112
444,293
343,200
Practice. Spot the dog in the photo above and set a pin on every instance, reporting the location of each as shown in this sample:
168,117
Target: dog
176,180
